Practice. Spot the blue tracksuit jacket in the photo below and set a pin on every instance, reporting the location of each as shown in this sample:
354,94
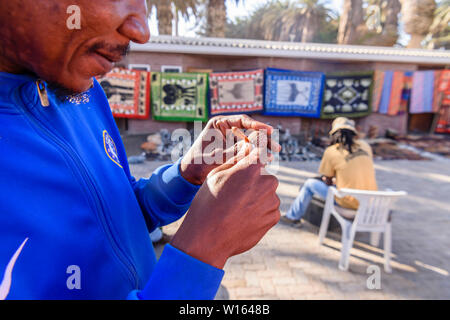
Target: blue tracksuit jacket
66,187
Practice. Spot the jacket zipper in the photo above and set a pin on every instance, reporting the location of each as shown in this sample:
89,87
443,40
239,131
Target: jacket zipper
93,193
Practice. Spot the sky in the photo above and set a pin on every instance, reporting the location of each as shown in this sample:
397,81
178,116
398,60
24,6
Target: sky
244,8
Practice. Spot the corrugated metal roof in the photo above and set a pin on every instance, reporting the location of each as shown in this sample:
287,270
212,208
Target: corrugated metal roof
257,48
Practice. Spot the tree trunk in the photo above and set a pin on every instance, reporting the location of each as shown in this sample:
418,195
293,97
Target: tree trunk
165,18
417,16
416,41
310,29
390,31
352,17
216,19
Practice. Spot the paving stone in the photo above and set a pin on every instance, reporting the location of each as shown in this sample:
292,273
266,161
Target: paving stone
289,264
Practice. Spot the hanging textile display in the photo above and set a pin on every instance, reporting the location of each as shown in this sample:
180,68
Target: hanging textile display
443,125
378,84
128,93
347,95
406,93
444,86
179,96
391,96
422,94
437,94
293,93
236,92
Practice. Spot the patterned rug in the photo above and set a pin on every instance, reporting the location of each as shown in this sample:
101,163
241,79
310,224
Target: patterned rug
293,93
444,87
347,95
392,91
423,92
179,96
236,92
128,93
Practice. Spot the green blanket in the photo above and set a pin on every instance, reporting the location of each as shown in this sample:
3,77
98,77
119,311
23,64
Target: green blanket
179,96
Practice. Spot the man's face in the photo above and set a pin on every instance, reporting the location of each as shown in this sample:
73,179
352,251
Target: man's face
35,38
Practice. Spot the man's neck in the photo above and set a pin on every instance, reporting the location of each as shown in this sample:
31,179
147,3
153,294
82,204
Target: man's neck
9,67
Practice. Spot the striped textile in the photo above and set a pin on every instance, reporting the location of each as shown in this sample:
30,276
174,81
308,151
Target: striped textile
422,92
444,87
437,94
406,93
391,96
378,84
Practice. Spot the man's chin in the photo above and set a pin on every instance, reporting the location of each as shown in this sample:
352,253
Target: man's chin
62,91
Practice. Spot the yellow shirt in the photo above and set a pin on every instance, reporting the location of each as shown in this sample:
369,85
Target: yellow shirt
352,170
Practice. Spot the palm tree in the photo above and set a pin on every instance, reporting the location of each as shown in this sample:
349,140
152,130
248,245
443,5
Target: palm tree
165,12
439,36
381,23
417,17
352,18
216,19
300,21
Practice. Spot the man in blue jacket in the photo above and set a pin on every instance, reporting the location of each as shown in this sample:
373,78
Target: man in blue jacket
74,223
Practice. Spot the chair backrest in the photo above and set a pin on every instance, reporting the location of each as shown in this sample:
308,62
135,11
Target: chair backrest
374,207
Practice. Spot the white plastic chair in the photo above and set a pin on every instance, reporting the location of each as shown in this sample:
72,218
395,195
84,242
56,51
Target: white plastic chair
372,216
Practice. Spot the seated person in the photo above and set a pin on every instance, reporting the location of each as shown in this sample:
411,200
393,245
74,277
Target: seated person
348,162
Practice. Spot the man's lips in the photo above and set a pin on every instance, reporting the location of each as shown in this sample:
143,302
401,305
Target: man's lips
108,56
104,61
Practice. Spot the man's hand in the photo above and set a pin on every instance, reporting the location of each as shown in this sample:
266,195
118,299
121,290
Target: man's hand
231,212
195,167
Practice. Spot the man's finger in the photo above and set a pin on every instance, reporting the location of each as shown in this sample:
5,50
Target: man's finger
241,122
242,153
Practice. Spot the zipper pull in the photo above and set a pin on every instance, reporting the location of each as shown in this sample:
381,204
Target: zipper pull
42,91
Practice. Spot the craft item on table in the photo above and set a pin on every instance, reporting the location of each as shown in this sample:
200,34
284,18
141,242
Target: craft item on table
293,93
128,92
179,96
236,92
422,94
391,96
347,94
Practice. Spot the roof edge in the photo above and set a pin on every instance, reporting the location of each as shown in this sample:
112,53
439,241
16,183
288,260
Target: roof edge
259,48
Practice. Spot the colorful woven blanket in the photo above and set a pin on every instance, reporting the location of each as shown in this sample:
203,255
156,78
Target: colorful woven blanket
388,92
347,95
444,87
179,96
424,95
293,93
236,92
128,93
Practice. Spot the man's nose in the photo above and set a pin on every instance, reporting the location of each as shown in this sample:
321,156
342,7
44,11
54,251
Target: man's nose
135,27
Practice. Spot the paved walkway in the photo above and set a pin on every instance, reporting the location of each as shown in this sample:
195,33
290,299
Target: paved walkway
289,264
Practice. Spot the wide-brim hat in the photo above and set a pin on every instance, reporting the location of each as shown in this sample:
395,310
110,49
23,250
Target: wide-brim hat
342,123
